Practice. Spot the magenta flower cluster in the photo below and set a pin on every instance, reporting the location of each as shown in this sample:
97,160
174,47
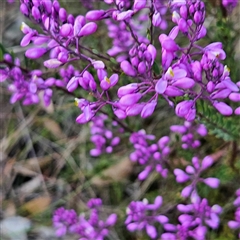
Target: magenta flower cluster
152,156
193,173
192,71
67,221
130,77
142,216
189,132
104,137
193,220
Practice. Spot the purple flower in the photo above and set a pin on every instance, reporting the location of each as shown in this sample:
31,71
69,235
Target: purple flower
193,173
138,217
186,109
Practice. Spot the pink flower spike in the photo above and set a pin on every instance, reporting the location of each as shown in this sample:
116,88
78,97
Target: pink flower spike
212,182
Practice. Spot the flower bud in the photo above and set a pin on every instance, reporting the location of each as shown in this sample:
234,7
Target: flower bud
144,174
152,50
230,85
78,24
88,29
95,15
210,86
130,88
24,9
181,176
161,86
148,109
62,15
172,91
222,93
142,67
184,11
72,84
237,111
183,26
130,99
223,108
183,107
52,63
124,15
35,53
36,13
66,30
156,19
26,39
184,83
135,109
120,113
128,69
139,4
212,182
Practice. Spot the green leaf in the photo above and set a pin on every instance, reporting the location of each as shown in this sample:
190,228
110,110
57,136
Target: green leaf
113,60
95,51
156,68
